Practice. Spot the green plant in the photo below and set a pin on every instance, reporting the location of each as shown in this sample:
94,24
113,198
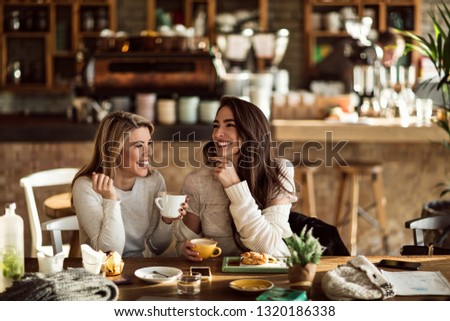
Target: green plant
304,248
437,49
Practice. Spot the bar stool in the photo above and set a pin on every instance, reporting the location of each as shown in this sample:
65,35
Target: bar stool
348,209
304,174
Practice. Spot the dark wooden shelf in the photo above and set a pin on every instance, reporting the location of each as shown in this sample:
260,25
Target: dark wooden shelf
57,128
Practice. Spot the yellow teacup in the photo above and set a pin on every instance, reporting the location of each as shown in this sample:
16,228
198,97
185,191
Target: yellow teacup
206,248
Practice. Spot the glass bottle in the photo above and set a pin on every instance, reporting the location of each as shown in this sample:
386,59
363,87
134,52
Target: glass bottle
102,19
41,20
12,260
14,72
87,22
14,20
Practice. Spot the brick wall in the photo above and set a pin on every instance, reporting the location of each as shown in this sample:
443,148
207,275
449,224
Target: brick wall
425,21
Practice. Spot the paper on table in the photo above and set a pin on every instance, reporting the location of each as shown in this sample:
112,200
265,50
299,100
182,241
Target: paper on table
418,283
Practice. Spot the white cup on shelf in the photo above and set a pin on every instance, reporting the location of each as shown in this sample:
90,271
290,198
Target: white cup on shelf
208,110
166,111
188,109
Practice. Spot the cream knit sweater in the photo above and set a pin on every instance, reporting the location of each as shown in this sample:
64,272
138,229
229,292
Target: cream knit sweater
260,230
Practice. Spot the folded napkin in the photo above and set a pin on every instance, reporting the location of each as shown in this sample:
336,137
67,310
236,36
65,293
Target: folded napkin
68,285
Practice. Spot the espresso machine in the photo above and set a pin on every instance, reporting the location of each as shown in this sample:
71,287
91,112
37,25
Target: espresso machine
364,57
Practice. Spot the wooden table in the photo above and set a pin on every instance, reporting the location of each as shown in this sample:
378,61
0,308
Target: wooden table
57,206
218,288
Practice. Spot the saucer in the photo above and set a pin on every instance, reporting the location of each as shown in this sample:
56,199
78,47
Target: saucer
155,274
251,285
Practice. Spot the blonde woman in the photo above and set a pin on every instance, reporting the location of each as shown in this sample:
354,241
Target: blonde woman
114,193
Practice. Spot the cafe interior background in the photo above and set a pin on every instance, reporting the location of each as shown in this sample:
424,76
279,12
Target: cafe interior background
43,123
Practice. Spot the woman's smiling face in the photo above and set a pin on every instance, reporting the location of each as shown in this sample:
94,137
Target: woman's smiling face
225,135
137,150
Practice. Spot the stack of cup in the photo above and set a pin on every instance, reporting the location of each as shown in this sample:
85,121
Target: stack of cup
166,111
261,85
145,105
188,109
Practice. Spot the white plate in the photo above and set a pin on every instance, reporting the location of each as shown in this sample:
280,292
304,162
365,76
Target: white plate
150,274
251,285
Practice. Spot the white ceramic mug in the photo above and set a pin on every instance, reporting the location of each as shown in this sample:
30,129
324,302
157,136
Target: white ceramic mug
170,204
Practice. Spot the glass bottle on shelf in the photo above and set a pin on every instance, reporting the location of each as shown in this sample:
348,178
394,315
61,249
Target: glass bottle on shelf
14,20
87,22
29,20
14,72
102,19
41,20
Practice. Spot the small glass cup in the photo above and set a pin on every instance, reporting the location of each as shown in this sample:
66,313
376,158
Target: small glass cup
424,110
189,283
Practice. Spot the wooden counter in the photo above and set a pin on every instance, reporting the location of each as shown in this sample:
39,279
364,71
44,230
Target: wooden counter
373,130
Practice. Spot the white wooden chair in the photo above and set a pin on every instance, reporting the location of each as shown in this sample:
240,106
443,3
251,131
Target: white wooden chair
52,177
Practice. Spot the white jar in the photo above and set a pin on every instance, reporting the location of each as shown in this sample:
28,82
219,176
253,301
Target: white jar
208,110
188,109
145,105
166,111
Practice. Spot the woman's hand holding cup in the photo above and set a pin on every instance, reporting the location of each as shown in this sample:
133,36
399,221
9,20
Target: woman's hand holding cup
199,249
173,207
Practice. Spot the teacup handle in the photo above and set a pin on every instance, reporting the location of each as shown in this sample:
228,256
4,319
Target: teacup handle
158,201
218,250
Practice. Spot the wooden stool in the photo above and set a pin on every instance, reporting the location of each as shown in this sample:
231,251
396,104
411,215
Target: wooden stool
349,209
305,175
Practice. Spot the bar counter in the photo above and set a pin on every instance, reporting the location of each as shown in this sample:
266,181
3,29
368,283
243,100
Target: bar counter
371,130
57,128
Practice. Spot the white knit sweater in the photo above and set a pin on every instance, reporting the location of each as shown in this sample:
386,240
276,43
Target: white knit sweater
127,225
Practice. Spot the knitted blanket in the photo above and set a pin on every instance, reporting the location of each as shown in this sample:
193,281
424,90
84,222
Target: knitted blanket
68,285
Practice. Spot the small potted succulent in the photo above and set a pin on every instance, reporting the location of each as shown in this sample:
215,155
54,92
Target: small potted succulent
305,253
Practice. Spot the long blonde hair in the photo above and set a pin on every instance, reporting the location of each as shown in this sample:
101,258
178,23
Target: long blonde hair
109,142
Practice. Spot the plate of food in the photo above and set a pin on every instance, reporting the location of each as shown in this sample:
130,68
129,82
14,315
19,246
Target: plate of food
158,274
251,285
254,262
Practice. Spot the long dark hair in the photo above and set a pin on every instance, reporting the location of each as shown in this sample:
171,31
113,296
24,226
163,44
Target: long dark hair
256,164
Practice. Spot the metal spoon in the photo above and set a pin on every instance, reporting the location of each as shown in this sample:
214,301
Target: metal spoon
159,273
